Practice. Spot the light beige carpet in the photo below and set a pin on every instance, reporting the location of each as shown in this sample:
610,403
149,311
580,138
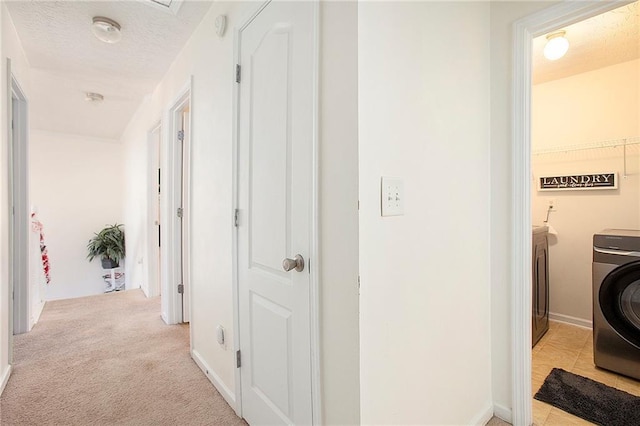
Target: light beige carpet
109,360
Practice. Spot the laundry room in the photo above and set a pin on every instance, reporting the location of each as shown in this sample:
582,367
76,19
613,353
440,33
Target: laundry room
584,126
585,122
585,165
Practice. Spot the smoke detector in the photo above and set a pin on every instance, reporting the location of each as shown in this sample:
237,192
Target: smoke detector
106,29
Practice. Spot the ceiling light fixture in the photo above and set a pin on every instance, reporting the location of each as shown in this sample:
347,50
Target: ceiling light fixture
106,29
93,97
557,45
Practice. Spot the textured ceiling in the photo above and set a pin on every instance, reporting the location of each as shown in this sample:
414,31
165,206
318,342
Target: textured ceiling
69,61
601,41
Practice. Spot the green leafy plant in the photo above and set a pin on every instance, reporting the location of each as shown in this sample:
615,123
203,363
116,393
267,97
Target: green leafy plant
108,244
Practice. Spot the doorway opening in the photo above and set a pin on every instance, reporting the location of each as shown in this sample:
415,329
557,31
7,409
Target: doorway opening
152,287
25,308
175,211
584,161
524,31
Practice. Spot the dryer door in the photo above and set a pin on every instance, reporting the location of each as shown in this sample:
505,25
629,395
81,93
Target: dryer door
620,301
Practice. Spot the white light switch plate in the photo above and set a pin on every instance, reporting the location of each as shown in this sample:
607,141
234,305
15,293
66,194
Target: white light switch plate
220,334
392,196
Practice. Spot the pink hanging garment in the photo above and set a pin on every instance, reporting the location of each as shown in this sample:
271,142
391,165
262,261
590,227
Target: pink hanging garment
36,226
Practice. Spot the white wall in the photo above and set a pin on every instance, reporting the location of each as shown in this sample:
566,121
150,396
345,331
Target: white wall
339,213
209,59
586,108
425,285
76,186
37,278
10,48
503,15
135,169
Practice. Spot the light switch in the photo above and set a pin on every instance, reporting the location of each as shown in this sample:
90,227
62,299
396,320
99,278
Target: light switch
392,196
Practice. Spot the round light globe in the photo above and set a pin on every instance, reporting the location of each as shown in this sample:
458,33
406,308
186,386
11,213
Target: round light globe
556,47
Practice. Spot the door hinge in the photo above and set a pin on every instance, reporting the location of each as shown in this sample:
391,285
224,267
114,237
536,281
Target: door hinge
180,288
181,135
180,212
236,216
238,362
238,73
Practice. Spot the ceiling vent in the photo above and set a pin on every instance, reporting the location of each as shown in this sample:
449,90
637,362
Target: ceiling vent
172,6
93,97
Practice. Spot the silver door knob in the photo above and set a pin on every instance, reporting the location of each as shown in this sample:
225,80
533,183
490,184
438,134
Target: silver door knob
296,263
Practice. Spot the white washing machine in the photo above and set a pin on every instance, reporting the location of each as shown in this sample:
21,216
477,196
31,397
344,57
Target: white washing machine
616,301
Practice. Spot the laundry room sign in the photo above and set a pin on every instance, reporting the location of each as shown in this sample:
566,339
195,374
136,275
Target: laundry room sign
578,182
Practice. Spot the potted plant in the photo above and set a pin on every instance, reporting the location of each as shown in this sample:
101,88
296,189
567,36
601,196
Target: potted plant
108,244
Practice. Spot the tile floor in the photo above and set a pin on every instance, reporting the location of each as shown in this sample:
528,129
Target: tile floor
570,348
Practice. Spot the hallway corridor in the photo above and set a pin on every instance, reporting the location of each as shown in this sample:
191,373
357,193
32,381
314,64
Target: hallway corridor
106,360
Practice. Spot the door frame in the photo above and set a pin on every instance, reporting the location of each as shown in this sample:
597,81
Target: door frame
524,30
170,240
18,149
153,164
314,258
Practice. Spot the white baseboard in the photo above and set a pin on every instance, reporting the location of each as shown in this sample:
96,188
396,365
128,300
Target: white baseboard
502,412
571,320
164,318
484,417
5,378
37,313
226,393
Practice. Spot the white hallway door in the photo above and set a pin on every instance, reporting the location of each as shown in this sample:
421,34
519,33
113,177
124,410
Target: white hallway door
276,111
184,202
